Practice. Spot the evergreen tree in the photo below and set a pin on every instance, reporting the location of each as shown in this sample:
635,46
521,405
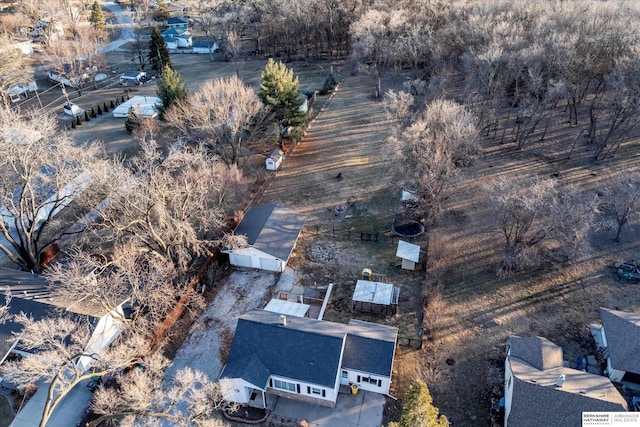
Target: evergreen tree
162,11
133,122
97,17
170,89
279,91
158,52
418,409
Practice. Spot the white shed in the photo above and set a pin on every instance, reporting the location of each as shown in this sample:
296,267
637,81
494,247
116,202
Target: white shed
272,232
274,159
409,254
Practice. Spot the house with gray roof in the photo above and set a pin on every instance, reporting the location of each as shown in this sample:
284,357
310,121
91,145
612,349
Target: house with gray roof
618,339
540,391
305,359
272,232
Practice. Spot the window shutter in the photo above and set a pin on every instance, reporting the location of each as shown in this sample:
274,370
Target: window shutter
308,390
358,378
271,382
324,394
298,388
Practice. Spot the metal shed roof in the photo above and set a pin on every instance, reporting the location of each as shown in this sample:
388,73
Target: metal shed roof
289,308
408,251
376,292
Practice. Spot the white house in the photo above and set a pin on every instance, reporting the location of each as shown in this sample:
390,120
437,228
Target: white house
144,106
540,391
204,47
132,78
272,232
305,359
177,37
178,23
274,159
618,340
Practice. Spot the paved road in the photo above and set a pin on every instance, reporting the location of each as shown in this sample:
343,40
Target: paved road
124,21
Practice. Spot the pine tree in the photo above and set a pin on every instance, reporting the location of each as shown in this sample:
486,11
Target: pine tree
99,110
97,17
106,109
158,52
418,409
133,122
170,89
86,116
279,91
78,121
93,113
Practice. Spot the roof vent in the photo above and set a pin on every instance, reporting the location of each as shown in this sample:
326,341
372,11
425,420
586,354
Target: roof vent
283,320
560,380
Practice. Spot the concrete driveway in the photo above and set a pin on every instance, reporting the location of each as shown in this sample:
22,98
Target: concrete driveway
360,410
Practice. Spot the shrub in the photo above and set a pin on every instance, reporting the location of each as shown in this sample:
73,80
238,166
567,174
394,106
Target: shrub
106,109
111,104
99,110
93,113
133,122
78,121
86,116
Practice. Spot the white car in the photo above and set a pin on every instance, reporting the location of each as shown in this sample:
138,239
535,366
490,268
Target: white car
72,109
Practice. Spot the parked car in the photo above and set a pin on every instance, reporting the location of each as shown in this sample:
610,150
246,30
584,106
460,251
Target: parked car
72,109
627,270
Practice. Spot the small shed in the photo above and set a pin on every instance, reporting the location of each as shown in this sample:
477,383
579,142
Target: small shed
408,193
376,297
409,255
274,159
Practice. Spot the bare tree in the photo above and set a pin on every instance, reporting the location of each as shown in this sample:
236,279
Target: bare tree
621,201
138,49
42,172
539,223
224,113
79,59
191,398
442,139
14,70
63,355
172,204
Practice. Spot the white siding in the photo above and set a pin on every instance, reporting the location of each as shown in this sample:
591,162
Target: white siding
253,258
235,390
508,390
307,389
366,381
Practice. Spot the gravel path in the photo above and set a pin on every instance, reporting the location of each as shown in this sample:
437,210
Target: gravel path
243,291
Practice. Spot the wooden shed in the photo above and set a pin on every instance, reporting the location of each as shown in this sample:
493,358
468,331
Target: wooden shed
274,159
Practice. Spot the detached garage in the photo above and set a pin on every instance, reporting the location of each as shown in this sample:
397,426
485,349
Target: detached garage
272,232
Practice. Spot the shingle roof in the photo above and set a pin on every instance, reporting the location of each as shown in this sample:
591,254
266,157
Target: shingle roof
622,330
537,401
538,352
272,229
176,20
307,349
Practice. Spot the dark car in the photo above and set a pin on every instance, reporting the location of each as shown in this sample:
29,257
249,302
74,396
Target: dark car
627,270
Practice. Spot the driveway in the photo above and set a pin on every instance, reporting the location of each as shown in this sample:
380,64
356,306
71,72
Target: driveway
123,20
360,410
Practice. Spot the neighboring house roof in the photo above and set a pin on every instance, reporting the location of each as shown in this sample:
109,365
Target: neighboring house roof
622,330
173,32
272,229
307,349
204,43
536,400
176,20
133,74
538,352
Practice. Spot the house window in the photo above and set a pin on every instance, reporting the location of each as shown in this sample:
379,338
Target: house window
316,391
283,385
345,374
373,381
